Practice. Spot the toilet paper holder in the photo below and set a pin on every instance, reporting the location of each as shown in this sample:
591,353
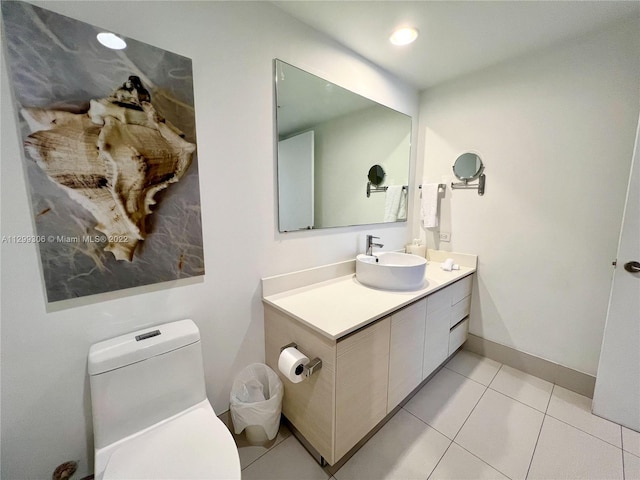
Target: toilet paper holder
314,364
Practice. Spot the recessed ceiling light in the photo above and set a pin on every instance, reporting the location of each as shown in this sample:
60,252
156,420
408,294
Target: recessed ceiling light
403,36
110,40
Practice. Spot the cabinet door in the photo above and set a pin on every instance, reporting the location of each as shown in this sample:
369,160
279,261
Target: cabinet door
406,352
436,336
362,374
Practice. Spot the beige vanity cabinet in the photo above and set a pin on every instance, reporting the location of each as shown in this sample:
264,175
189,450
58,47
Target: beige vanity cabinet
436,333
446,323
366,374
406,351
308,405
362,373
460,307
337,406
424,334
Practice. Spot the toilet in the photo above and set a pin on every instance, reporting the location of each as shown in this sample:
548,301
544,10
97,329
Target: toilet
151,415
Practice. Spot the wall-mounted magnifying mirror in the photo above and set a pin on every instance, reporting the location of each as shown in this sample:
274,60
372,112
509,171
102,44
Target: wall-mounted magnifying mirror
468,167
376,178
376,175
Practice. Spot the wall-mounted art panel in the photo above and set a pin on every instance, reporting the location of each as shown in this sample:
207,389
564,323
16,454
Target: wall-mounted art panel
110,154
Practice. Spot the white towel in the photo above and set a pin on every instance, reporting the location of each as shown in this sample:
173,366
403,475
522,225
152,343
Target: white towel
393,202
429,205
402,210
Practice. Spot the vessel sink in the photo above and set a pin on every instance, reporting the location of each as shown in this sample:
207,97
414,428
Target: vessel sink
391,271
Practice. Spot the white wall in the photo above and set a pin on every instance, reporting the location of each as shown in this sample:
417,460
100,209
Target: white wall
46,417
555,130
352,144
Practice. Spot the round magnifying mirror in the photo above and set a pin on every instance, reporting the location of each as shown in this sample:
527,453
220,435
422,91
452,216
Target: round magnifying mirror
468,166
376,175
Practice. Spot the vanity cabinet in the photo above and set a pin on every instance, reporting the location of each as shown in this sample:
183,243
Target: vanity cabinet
406,351
362,372
436,334
309,405
446,323
366,374
460,307
340,403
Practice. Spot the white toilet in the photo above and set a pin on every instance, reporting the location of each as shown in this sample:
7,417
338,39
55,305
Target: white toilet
151,415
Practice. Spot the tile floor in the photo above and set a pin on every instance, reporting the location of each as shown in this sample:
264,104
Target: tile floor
475,419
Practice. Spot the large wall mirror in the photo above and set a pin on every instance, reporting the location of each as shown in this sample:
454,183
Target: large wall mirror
328,140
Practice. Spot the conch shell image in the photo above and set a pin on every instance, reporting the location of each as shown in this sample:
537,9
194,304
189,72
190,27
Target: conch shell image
112,160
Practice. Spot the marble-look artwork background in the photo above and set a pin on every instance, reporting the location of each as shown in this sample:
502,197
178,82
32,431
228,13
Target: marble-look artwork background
56,62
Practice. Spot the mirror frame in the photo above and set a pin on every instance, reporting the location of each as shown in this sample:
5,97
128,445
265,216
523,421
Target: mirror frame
478,172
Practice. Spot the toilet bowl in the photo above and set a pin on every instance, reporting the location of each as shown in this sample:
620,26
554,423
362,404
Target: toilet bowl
151,416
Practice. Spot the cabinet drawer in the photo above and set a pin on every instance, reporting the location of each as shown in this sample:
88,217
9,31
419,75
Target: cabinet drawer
458,335
439,300
461,289
460,310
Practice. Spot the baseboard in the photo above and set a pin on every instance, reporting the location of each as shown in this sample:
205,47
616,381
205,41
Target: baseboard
568,378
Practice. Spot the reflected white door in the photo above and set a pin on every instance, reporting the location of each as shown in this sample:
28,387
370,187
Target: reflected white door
617,393
295,182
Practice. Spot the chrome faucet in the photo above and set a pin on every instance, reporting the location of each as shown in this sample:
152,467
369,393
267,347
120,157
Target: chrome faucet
370,244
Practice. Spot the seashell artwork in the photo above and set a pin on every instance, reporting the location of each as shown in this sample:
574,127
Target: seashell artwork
109,158
112,160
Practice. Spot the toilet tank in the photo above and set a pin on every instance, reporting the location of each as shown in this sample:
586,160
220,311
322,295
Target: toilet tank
143,377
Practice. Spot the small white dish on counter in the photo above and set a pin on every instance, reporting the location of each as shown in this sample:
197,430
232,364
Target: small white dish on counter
391,271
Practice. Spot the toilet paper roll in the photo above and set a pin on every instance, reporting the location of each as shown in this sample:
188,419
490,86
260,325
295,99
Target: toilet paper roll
291,363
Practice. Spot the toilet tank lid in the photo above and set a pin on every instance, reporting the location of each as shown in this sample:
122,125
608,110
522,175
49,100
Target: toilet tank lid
142,344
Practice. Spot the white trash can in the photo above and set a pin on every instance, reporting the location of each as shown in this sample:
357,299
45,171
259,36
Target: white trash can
256,403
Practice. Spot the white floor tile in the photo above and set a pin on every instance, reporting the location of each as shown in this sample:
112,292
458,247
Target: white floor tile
497,441
503,433
405,448
631,441
458,464
564,452
525,388
249,453
446,401
286,461
575,410
631,467
475,367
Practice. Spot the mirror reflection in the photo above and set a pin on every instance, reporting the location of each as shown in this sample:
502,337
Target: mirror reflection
328,139
468,166
376,175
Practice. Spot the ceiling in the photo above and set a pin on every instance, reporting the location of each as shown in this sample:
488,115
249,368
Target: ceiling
456,37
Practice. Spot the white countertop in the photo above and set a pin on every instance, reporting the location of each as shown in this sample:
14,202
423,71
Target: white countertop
342,305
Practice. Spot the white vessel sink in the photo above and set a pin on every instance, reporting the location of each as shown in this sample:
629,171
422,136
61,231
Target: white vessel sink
391,271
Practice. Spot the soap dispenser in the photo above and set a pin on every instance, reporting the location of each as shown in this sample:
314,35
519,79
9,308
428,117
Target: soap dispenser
416,248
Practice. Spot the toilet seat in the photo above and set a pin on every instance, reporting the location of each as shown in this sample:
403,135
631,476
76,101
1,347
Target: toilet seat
193,445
